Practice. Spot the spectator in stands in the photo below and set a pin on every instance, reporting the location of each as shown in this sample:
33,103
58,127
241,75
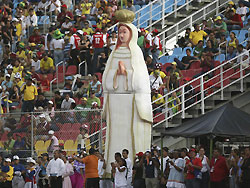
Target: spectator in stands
207,64
35,63
242,54
186,61
81,116
75,42
95,85
130,6
220,27
36,37
112,41
198,49
86,7
67,24
31,21
197,35
159,104
42,128
173,104
234,42
55,169
7,84
19,145
210,49
246,169
87,29
9,69
9,143
230,55
58,46
219,170
29,95
92,98
222,44
63,14
156,45
102,60
234,21
66,103
54,144
7,169
193,166
43,181
174,75
148,40
67,173
91,168
120,171
47,64
189,92
41,101
242,10
155,78
81,138
58,100
150,64
185,41
213,39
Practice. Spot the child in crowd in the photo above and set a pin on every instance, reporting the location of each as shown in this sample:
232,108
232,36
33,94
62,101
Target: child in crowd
120,170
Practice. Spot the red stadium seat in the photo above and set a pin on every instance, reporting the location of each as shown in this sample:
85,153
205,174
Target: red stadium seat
195,65
71,70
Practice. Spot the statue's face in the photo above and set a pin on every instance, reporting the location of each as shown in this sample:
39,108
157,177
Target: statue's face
123,34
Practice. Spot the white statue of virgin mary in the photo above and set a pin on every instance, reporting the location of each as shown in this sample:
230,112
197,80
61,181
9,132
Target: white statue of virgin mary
127,97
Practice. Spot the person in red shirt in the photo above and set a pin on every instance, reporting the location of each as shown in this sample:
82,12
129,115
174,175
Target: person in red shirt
234,22
36,37
193,167
61,16
97,44
219,170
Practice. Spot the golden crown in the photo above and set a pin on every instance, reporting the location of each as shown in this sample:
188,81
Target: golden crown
125,16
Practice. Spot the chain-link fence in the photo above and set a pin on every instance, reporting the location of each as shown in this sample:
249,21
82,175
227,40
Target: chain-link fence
27,134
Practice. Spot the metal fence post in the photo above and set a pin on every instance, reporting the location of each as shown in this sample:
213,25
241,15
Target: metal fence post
163,14
221,83
150,21
241,77
202,96
175,8
32,134
166,113
217,7
183,102
100,137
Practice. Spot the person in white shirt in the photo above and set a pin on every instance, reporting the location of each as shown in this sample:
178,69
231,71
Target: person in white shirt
55,6
242,10
31,21
165,158
155,80
120,171
35,62
67,24
40,8
67,102
156,46
58,46
129,167
243,55
54,144
55,170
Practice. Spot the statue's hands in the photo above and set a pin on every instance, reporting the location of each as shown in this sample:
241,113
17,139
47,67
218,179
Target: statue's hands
121,68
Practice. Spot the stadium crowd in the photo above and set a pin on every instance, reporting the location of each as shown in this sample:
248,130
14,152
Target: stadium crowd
154,168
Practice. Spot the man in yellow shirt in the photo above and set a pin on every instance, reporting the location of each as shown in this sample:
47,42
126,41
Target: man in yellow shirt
47,64
7,172
158,69
86,7
87,29
197,35
29,91
18,80
18,68
159,104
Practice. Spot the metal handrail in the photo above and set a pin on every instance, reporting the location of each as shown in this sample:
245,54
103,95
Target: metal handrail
203,90
51,85
57,74
86,67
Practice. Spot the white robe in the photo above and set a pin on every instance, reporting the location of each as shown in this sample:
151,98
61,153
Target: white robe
127,102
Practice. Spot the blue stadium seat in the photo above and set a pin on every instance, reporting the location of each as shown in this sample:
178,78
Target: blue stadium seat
42,19
220,57
177,51
241,39
93,22
145,10
164,59
169,6
143,22
171,58
181,2
243,33
137,7
156,12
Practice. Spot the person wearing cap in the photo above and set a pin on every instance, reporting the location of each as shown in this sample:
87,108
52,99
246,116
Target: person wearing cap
47,64
157,68
31,20
36,37
58,46
97,41
219,27
197,35
155,79
148,42
54,144
18,68
75,46
35,63
156,46
8,172
9,69
91,168
7,84
67,24
234,21
138,179
30,178
158,101
21,53
64,12
92,98
193,167
87,29
19,169
81,138
29,92
81,116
